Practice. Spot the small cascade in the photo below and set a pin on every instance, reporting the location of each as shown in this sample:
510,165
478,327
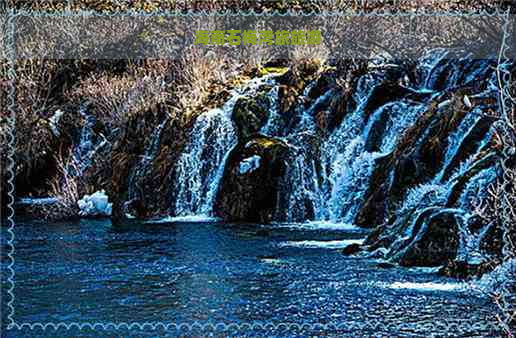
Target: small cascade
350,179
88,144
307,121
456,139
430,67
339,153
273,125
474,191
145,163
201,165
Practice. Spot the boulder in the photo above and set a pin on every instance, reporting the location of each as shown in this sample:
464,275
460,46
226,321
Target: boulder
250,115
251,181
351,249
434,243
385,265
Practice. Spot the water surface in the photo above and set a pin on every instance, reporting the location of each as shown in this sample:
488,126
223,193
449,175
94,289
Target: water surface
92,271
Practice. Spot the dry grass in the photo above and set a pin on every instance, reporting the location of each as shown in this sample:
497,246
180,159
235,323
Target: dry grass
196,74
114,98
66,187
257,5
499,207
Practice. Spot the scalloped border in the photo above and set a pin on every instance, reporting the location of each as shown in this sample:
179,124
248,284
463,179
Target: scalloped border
506,100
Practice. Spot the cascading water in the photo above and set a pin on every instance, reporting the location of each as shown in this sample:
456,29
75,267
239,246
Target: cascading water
88,144
201,165
469,244
328,176
272,127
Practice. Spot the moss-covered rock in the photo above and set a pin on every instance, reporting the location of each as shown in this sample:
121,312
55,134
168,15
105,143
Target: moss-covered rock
250,184
250,115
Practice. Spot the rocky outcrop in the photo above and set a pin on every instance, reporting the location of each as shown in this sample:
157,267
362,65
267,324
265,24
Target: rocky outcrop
250,185
249,115
435,241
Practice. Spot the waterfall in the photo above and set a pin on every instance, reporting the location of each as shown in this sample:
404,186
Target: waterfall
456,139
201,165
273,125
429,68
328,174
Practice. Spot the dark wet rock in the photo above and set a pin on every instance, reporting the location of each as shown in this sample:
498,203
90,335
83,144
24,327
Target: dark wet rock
385,265
325,82
469,145
351,249
127,156
299,75
341,103
250,185
375,136
460,270
492,242
375,234
385,92
376,202
137,208
435,240
465,270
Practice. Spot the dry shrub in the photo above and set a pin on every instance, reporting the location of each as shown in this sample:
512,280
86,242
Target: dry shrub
66,187
499,207
34,92
115,98
196,73
256,5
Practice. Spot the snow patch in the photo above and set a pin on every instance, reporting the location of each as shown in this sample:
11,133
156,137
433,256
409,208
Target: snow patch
96,204
322,244
54,122
37,200
429,286
185,219
249,164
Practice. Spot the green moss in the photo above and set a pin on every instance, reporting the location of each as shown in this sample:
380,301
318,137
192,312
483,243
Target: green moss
265,143
272,146
272,70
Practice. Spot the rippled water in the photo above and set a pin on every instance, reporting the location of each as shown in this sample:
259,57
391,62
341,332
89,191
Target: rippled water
91,271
